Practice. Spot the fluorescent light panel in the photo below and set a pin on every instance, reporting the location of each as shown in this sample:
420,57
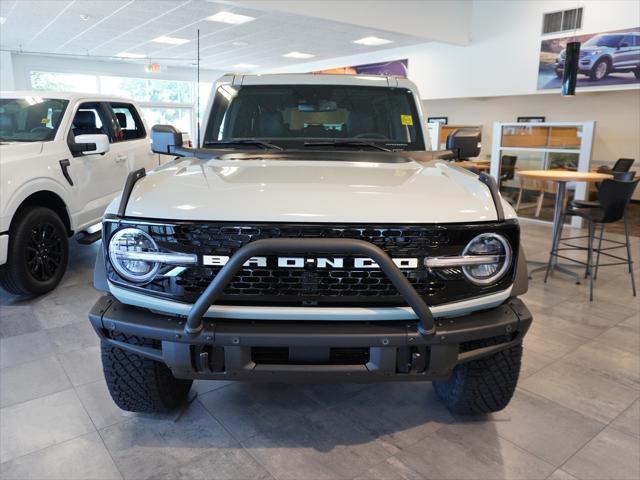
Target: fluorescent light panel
298,55
372,41
2,20
170,40
232,18
244,65
130,55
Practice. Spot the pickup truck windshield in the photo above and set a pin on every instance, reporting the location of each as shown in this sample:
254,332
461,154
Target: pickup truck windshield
316,116
30,119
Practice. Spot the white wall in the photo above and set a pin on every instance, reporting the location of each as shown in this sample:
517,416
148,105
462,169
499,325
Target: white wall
6,71
502,58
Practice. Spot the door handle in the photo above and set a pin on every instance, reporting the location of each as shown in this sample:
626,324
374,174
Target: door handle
121,157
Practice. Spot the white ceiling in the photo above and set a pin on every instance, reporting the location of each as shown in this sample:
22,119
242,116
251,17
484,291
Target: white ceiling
114,26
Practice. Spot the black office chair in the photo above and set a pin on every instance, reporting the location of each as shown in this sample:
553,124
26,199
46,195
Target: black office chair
623,176
508,167
614,196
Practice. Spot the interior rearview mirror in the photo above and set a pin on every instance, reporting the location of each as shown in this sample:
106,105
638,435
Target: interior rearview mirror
165,138
91,144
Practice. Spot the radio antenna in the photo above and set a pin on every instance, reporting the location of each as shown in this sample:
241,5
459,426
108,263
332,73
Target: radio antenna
198,95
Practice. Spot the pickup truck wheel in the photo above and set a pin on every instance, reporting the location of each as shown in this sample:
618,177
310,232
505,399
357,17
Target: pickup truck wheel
138,384
484,385
38,253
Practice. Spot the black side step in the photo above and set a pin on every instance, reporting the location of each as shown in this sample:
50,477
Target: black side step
85,238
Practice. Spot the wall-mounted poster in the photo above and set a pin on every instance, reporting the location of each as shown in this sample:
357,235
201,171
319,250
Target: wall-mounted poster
606,59
393,67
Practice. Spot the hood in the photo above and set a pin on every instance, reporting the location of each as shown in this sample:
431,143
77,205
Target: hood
14,150
303,190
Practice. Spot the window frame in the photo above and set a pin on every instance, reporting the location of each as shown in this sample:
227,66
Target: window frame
136,118
562,29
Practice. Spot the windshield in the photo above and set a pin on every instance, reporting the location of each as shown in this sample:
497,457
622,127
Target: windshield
291,116
30,119
604,41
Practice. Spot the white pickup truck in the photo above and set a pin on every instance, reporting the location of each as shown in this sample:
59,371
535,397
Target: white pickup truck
63,158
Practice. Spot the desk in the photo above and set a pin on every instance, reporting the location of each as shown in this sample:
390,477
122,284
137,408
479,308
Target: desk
561,177
481,165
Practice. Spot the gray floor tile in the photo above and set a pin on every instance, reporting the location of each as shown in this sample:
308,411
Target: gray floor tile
629,420
399,414
561,475
546,429
579,389
622,336
325,438
27,381
332,393
74,336
83,458
99,405
549,341
229,463
51,315
146,446
533,361
611,455
17,320
580,318
82,366
391,469
203,386
24,348
462,452
247,409
40,423
618,365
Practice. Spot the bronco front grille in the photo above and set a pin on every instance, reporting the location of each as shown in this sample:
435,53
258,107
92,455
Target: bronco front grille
311,286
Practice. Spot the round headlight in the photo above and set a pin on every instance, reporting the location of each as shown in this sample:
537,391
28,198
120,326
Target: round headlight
496,249
124,252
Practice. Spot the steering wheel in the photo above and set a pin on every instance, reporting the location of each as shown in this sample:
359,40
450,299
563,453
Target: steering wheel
371,135
40,130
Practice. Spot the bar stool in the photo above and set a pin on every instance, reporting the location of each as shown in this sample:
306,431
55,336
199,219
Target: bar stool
614,196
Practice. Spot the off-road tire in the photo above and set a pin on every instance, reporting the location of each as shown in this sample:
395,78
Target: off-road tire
139,384
16,275
484,385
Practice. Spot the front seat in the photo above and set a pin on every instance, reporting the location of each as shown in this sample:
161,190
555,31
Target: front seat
359,123
270,124
122,120
6,124
84,123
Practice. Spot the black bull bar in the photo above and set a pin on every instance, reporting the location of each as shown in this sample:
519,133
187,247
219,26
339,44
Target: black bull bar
344,246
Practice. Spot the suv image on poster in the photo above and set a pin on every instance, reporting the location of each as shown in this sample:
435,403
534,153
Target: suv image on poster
310,238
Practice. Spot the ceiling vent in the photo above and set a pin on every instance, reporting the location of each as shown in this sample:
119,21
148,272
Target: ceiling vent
554,22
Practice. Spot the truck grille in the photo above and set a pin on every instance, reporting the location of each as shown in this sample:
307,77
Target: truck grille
311,286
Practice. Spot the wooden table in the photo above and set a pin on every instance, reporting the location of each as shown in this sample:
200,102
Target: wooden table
561,177
480,165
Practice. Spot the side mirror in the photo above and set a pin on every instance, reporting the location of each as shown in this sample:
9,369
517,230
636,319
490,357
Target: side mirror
165,138
91,144
465,142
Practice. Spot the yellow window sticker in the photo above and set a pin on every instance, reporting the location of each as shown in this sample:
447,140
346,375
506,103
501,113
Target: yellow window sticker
406,119
44,121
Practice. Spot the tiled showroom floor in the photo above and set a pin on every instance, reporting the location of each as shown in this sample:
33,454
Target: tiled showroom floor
576,412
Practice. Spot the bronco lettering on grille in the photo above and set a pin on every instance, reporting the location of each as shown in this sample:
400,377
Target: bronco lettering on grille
301,262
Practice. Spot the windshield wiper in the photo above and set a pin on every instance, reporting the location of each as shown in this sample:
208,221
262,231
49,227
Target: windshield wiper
243,141
347,143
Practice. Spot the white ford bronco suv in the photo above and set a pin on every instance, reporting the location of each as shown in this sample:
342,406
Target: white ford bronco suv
311,238
63,159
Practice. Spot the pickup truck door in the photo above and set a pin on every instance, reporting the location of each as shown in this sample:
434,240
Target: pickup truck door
132,138
96,178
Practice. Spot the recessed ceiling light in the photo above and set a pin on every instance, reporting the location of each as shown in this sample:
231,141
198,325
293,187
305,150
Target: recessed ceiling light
298,55
232,18
244,65
84,17
170,40
130,55
372,41
240,43
2,20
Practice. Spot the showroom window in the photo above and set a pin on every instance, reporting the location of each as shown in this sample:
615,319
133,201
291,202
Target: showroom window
64,82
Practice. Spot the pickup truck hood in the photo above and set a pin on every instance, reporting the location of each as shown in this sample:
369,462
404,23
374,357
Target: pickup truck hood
14,150
255,189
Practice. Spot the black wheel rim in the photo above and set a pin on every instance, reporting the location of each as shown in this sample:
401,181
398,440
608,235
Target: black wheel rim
44,252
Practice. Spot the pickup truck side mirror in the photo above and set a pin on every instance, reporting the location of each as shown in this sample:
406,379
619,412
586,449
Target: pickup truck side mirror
90,144
165,138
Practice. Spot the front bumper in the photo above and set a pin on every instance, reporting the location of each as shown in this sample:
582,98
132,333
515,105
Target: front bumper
312,350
